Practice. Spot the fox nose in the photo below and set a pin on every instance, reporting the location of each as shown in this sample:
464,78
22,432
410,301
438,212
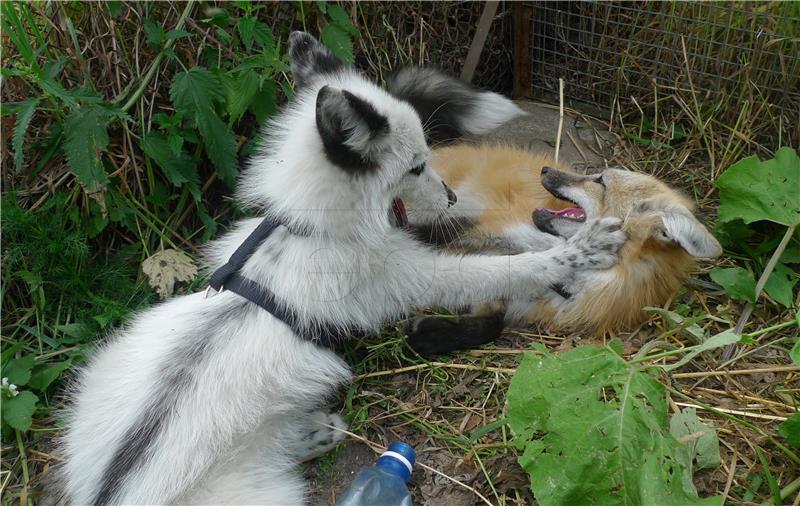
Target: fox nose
451,196
546,170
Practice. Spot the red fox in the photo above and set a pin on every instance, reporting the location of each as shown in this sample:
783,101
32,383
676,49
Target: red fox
512,199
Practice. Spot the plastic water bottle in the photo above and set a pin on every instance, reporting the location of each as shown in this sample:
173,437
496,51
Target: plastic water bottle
385,483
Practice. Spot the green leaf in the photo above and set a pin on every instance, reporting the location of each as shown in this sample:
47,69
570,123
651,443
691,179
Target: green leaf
264,104
716,341
737,281
754,190
795,353
177,34
44,375
24,115
241,93
342,19
86,140
193,94
179,168
595,430
790,430
116,8
780,284
221,148
246,27
699,438
155,33
338,41
18,411
18,370
263,35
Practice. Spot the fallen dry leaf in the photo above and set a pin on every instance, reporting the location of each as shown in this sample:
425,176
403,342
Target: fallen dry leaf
166,268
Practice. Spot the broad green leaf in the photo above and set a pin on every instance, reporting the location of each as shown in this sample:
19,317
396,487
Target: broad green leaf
246,27
790,430
595,430
24,115
177,34
178,169
18,411
86,140
155,33
264,104
795,352
338,41
737,281
221,148
717,341
342,19
241,93
699,438
18,370
262,33
756,190
194,94
780,284
44,375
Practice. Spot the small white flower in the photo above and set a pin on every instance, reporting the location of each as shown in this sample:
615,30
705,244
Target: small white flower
13,388
5,382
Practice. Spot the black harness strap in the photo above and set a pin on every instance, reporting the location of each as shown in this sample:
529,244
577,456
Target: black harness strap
227,278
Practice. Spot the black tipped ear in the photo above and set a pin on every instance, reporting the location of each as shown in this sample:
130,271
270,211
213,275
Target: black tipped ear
308,57
690,234
350,128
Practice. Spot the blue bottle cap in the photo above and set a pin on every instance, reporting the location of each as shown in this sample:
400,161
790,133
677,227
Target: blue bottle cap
399,460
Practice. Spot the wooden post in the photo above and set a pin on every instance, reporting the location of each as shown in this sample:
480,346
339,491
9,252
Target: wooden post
479,40
523,16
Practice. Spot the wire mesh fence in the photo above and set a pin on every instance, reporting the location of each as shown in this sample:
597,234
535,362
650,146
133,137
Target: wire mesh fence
630,56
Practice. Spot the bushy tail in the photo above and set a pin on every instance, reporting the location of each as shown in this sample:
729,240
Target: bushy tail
451,108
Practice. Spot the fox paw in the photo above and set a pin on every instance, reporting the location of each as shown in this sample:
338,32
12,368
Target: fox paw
596,244
326,431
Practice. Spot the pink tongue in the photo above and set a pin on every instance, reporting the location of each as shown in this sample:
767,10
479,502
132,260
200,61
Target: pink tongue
399,210
575,213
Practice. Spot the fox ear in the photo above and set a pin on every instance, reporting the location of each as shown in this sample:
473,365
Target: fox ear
448,107
351,129
682,227
308,57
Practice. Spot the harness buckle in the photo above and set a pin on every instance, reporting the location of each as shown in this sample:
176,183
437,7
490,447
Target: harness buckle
208,289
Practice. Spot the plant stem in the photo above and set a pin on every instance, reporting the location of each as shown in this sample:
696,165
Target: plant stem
154,66
25,477
729,350
786,491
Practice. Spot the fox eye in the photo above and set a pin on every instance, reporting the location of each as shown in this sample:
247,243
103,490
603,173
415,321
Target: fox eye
418,169
600,181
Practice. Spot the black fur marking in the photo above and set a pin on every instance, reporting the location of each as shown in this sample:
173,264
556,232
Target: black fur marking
177,375
441,101
331,110
309,57
561,290
443,231
432,335
378,125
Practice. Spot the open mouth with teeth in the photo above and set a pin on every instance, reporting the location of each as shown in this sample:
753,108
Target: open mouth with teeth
543,218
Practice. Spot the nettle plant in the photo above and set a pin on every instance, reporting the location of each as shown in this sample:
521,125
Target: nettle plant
186,139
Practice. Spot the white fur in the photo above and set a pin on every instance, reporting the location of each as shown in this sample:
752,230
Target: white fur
244,414
491,111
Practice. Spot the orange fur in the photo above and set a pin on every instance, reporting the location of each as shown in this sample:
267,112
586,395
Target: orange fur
650,271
